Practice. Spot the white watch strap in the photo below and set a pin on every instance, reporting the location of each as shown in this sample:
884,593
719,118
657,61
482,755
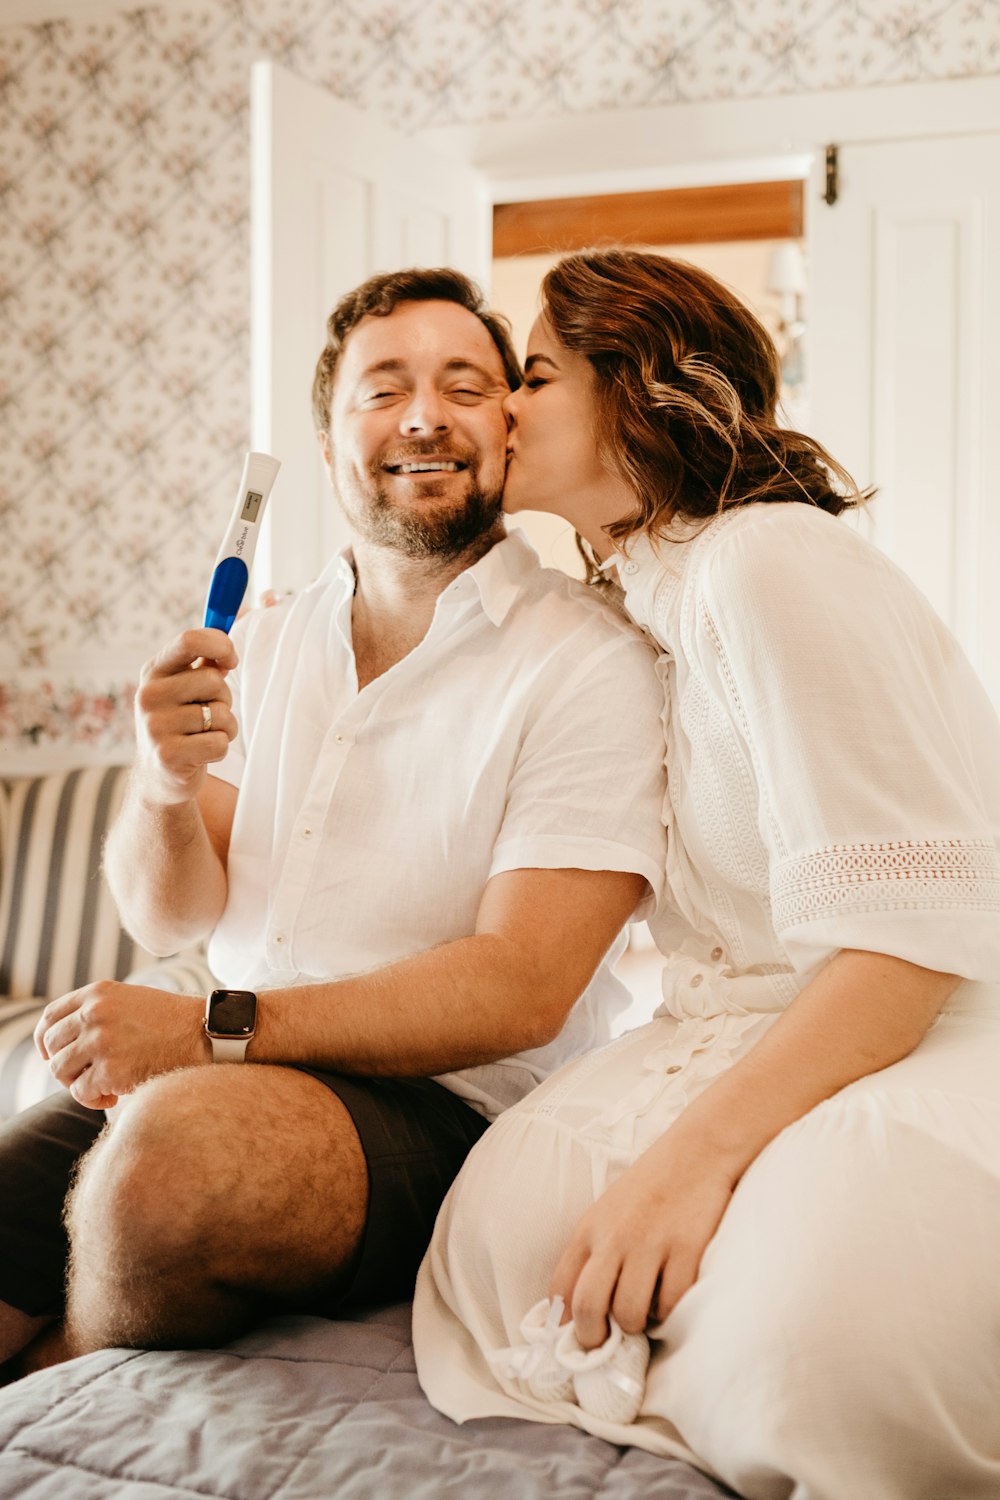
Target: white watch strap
229,1048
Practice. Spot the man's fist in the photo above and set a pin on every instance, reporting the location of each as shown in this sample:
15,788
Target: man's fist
184,717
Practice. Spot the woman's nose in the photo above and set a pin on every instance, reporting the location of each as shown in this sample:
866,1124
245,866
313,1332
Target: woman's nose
509,406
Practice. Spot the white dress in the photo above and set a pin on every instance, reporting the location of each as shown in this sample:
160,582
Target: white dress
834,782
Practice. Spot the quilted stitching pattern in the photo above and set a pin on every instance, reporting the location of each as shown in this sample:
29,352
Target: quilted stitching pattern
303,1409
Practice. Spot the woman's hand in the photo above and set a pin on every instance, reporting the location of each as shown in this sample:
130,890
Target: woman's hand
638,1249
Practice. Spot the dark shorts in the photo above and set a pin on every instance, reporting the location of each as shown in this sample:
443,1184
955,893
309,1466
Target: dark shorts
415,1135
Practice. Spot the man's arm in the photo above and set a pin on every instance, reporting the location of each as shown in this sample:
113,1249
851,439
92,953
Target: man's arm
165,858
539,938
540,935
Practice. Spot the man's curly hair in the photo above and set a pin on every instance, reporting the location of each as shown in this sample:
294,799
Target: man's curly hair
382,294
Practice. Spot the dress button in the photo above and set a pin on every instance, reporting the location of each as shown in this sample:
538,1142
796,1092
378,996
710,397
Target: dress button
716,955
674,1068
279,937
339,739
696,981
630,568
307,833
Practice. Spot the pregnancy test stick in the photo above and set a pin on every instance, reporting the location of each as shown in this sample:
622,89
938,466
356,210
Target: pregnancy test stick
232,566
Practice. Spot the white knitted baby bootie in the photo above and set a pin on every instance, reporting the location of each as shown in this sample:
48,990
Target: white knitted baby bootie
533,1364
609,1381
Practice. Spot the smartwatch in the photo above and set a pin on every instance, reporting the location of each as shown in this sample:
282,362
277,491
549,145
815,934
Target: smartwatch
230,1022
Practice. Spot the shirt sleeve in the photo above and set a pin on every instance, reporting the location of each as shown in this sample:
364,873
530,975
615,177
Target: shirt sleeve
874,746
588,788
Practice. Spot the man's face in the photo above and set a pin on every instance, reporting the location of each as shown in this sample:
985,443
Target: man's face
417,441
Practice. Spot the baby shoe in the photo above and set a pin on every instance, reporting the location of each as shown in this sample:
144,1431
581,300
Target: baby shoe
609,1381
534,1364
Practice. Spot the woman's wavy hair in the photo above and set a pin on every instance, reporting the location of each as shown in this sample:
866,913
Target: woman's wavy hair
687,389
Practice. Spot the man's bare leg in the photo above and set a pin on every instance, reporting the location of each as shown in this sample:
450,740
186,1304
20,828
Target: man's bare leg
221,1192
19,1331
28,1343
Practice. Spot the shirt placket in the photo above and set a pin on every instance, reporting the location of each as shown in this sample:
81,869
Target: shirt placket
305,840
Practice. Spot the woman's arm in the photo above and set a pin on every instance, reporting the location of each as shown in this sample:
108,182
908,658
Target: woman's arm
638,1249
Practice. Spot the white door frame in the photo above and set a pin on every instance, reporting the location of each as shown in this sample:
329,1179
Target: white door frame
336,195
679,145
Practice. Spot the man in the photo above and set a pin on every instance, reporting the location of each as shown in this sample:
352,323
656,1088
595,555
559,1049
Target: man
434,800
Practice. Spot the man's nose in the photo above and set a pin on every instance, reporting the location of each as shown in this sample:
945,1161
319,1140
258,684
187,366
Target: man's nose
425,412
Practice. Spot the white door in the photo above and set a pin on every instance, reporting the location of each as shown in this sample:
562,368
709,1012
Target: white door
336,195
904,361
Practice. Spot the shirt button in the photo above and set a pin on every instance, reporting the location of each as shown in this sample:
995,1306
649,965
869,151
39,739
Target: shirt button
279,937
696,981
716,955
307,833
674,1068
339,739
630,568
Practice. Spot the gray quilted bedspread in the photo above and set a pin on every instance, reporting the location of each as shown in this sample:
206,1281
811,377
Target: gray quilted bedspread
302,1409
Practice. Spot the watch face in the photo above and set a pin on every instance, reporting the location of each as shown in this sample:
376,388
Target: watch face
232,1013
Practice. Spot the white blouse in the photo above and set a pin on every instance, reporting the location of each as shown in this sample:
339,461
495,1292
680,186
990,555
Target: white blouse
833,764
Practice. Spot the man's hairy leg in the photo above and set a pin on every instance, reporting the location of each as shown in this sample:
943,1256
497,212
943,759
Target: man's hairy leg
20,1335
221,1192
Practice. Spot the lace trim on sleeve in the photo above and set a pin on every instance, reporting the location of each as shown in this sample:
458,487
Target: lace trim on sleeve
913,874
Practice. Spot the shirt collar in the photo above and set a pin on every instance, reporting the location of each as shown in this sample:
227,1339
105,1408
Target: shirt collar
339,572
499,576
651,573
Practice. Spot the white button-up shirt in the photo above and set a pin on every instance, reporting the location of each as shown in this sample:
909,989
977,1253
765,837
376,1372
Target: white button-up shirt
522,732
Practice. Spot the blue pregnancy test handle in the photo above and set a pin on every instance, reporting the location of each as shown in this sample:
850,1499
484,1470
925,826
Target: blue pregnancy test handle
229,584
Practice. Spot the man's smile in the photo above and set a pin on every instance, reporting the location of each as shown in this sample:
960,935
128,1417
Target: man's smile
445,466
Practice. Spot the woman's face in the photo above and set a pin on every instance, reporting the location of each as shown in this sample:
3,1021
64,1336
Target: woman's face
553,460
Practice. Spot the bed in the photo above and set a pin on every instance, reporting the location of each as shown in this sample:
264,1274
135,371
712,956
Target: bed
300,1409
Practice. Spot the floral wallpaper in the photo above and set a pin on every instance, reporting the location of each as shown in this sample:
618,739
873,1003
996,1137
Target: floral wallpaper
124,257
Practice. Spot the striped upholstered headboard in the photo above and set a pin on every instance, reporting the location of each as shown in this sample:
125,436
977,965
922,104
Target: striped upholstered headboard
58,924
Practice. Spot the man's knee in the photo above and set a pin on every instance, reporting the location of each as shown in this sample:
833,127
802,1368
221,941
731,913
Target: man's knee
141,1190
225,1188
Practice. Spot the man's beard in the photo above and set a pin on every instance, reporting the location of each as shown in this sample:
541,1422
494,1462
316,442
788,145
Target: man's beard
423,530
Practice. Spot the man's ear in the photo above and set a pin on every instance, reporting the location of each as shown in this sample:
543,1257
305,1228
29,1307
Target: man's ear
324,443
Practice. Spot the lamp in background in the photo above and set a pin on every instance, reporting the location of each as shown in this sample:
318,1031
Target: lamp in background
786,278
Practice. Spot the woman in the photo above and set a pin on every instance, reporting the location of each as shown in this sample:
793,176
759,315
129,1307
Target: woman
792,1175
